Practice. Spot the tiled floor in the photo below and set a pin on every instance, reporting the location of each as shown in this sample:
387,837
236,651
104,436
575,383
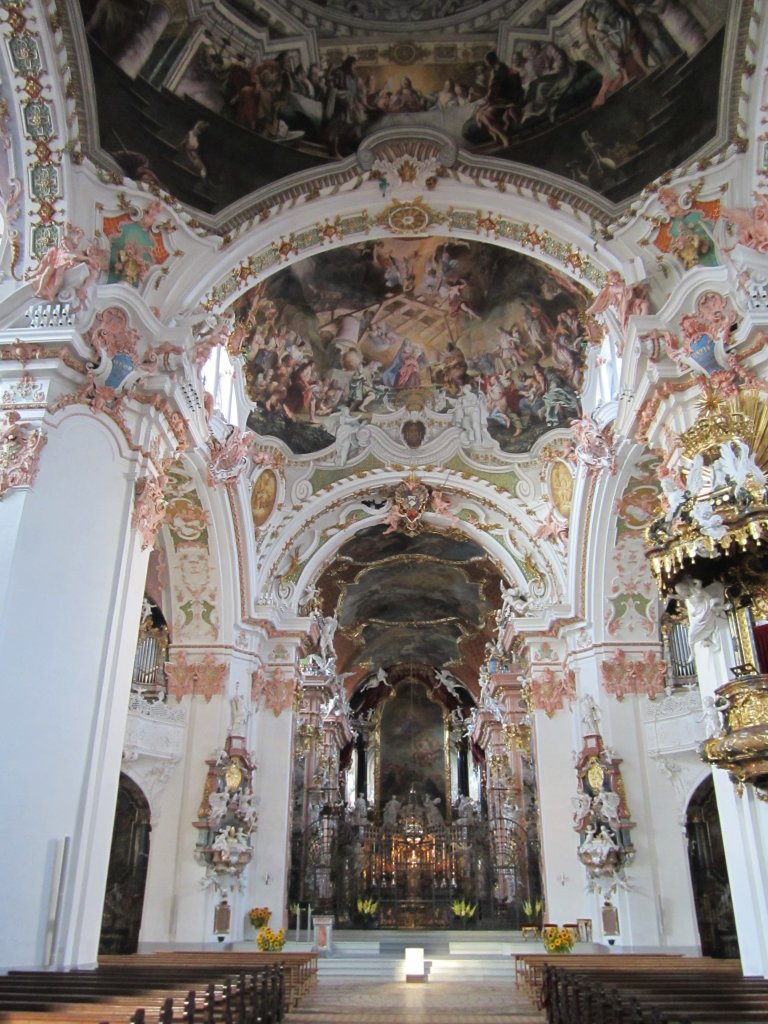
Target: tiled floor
397,1002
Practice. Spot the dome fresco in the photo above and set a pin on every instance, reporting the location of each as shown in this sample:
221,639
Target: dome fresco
604,93
369,328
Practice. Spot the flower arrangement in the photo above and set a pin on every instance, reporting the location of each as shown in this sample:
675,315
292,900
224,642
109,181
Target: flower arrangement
259,916
269,941
557,940
367,907
463,909
531,910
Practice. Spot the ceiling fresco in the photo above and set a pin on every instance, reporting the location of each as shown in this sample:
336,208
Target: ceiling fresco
216,105
372,327
420,601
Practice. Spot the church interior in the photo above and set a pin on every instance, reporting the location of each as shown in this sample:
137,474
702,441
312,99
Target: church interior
383,493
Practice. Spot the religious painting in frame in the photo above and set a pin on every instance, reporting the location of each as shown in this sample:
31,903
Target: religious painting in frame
412,749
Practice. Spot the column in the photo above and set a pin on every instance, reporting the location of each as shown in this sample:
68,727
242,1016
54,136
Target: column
75,547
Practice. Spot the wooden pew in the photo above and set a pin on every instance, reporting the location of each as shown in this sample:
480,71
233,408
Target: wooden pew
300,969
682,991
530,967
201,993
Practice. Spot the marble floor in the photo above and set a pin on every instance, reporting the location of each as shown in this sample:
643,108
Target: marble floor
458,1001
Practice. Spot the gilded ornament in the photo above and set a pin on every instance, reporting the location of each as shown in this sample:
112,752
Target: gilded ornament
595,774
408,218
747,709
742,748
233,776
720,511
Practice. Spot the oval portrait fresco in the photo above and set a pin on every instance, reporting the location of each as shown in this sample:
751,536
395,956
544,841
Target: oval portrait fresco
263,497
561,488
366,327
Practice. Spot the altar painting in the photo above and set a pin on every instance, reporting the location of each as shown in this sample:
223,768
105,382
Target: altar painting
412,749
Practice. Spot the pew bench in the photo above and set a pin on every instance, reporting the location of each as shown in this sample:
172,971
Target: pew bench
692,991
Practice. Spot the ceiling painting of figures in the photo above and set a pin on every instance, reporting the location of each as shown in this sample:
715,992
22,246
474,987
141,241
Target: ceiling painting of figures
605,93
424,600
360,331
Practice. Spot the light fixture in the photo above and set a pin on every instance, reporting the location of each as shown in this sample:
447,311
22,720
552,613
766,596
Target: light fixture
414,963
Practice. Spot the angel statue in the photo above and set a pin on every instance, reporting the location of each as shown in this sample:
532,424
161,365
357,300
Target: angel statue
327,632
704,610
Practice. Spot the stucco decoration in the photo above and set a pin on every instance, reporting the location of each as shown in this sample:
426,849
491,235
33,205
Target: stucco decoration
230,453
149,509
751,224
117,345
273,689
594,447
552,528
625,674
193,576
685,227
136,241
552,689
20,451
631,602
24,391
625,300
68,272
227,816
205,677
601,816
43,164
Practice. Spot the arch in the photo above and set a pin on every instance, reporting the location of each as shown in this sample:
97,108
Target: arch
709,874
336,516
127,873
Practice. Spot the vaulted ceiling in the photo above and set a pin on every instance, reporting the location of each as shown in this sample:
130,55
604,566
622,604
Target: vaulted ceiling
224,103
604,93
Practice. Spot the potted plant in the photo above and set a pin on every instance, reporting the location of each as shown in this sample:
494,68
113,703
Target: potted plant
464,910
269,941
259,916
532,914
367,908
557,940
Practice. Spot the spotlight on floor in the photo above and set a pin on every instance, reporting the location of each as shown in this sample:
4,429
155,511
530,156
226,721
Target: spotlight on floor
414,964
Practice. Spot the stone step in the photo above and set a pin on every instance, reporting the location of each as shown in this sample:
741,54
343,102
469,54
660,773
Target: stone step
439,968
378,968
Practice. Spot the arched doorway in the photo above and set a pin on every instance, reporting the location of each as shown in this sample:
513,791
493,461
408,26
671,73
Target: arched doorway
709,874
126,878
